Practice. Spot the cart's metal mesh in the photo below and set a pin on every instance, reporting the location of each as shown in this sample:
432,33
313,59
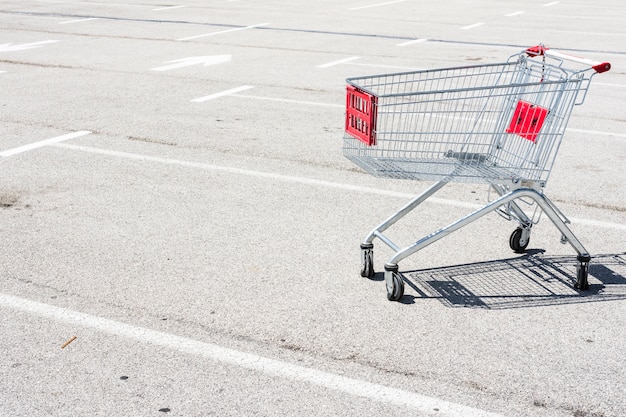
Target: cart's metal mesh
472,123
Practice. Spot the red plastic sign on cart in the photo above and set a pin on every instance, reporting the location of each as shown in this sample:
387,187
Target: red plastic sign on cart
527,120
361,115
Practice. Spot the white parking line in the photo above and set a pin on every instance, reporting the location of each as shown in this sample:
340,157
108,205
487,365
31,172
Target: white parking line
272,367
168,8
45,142
393,67
475,25
303,180
515,14
221,32
610,85
596,132
79,20
285,100
222,93
339,61
376,5
412,42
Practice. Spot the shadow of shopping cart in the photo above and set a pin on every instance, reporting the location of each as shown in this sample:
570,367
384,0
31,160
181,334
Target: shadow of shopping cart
531,280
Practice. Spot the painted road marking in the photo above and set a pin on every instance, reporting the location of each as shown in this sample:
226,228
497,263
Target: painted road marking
221,32
395,67
42,143
596,132
475,25
407,43
610,85
286,100
79,20
376,5
554,3
9,47
303,180
168,8
272,367
223,93
193,60
515,14
340,61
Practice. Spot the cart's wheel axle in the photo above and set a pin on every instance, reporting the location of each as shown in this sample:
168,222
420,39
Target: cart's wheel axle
519,239
394,283
582,273
367,260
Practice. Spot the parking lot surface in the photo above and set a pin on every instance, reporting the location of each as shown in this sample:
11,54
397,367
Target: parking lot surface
181,230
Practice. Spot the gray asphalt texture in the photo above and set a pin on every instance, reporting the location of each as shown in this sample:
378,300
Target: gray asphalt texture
235,221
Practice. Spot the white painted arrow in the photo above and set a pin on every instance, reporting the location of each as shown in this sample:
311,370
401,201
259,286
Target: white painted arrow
193,60
9,47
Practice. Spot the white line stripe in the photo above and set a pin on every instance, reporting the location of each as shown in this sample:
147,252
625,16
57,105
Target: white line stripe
400,67
340,61
285,100
412,42
598,223
515,14
168,8
268,366
221,32
475,25
554,3
303,180
223,93
79,20
376,5
596,132
610,85
45,142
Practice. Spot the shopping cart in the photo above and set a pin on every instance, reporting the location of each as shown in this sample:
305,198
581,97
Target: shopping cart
499,124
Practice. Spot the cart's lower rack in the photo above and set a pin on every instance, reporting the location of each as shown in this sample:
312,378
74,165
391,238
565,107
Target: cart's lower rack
477,171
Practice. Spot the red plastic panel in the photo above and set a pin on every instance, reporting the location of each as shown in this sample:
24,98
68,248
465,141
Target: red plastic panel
361,115
527,120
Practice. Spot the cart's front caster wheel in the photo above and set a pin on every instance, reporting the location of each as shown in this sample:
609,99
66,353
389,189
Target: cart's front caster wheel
519,240
582,272
367,260
394,283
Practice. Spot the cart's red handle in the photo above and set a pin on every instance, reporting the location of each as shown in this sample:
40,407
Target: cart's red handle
542,50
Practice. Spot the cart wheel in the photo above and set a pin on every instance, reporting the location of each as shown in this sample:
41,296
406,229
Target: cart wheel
367,261
367,264
394,283
582,273
519,240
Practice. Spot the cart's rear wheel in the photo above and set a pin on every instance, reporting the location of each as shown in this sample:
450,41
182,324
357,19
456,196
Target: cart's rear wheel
582,273
394,283
367,260
519,240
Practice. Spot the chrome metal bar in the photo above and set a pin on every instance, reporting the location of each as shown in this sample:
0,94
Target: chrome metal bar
518,213
543,202
377,232
387,242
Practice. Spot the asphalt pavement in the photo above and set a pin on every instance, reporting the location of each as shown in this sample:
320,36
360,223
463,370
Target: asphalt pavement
180,230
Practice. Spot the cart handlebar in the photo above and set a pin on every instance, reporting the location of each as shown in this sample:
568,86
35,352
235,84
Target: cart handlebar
541,50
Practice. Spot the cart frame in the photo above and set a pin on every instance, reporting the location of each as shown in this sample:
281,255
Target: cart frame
451,125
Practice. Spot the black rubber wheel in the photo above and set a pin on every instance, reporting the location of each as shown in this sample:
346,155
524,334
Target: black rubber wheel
367,263
394,284
516,243
582,273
